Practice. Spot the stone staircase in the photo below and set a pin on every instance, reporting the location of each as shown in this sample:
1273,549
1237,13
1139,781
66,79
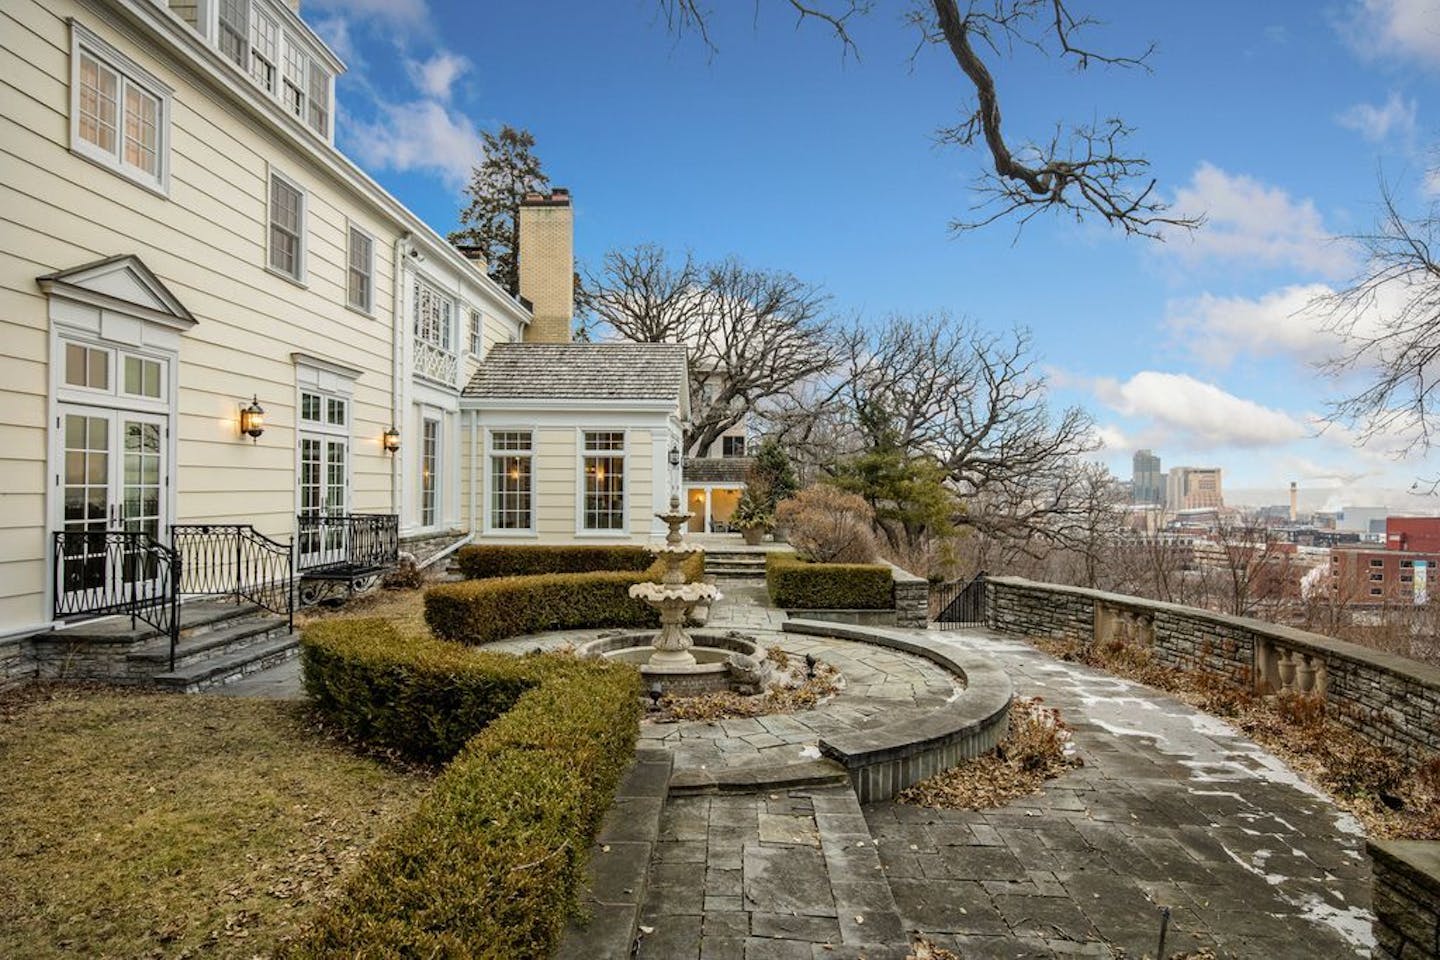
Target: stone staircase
220,641
725,563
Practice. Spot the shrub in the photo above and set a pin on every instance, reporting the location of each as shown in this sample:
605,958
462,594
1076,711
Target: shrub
483,611
773,471
490,863
829,526
797,584
494,560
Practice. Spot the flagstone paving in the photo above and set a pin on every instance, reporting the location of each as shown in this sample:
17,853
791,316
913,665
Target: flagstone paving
1172,808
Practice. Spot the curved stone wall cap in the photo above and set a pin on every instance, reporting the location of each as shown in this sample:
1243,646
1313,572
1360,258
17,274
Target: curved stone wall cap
1413,670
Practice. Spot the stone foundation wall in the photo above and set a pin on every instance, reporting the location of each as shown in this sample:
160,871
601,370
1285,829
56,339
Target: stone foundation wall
17,662
1406,899
1392,701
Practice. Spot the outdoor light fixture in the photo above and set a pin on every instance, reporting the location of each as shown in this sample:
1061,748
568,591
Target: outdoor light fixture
252,419
391,440
674,456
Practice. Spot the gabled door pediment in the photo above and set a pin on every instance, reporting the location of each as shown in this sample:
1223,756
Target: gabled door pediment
124,284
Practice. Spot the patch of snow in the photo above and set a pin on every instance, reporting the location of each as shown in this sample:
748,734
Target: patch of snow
1352,923
811,752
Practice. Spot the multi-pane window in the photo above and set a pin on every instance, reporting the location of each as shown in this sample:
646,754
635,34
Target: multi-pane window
118,113
433,313
732,446
264,50
287,212
234,17
276,60
322,409
87,367
361,271
604,500
429,470
143,377
319,116
297,76
510,480
475,336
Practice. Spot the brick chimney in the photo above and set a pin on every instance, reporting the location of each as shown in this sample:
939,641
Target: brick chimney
547,264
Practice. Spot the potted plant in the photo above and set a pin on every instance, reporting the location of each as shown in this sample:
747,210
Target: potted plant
753,517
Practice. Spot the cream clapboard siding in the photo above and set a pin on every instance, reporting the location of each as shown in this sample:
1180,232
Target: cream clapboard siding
207,244
557,476
639,491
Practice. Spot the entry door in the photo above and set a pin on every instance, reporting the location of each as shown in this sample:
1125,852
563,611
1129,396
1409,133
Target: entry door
324,491
112,479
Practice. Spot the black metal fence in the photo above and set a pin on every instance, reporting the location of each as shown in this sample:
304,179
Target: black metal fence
959,603
106,572
347,542
235,560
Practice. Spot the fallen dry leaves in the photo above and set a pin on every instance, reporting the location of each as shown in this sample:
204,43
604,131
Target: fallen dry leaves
1038,748
791,689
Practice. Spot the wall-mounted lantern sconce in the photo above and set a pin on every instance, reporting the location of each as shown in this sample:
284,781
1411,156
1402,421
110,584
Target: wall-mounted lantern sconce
391,440
252,419
674,456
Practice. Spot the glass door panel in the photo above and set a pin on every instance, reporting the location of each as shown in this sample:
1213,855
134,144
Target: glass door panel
85,503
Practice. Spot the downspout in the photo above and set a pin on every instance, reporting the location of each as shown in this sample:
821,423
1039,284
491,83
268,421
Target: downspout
397,285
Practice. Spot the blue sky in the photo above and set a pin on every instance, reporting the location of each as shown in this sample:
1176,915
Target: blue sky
1274,119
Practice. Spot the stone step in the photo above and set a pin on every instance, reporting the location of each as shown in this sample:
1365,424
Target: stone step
196,618
232,636
214,671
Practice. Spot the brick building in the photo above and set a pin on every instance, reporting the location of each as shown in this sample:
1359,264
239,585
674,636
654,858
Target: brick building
1421,534
1381,576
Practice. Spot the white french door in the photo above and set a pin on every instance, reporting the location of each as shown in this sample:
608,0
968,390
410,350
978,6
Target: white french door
324,491
112,478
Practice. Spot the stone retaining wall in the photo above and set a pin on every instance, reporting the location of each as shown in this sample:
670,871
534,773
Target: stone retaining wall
1390,700
17,662
1407,900
912,598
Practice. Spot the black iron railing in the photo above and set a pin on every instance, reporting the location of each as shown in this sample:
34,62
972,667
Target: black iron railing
106,572
234,560
348,542
959,602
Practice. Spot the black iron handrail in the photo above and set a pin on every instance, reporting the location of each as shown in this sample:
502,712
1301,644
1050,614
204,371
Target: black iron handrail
959,602
236,560
108,572
350,541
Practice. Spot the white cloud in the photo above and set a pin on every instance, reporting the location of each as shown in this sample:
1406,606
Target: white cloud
1381,29
1251,223
419,136
335,31
1285,322
1195,414
1112,438
437,75
406,14
1430,186
1396,116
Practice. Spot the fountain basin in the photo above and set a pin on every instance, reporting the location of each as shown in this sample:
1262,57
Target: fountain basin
710,673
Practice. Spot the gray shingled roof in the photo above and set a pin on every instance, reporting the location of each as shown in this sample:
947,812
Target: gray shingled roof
580,371
717,469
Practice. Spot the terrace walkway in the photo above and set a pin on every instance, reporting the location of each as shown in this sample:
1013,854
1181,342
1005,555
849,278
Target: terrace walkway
1172,808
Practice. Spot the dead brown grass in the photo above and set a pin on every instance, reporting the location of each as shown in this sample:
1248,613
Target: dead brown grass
1038,748
405,607
142,825
1391,799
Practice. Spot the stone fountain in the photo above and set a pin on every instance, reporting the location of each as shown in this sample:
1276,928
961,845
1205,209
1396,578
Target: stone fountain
672,596
673,661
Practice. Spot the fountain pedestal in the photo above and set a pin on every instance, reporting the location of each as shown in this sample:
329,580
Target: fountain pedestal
672,596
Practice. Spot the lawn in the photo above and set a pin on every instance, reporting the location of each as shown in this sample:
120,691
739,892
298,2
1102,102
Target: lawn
152,825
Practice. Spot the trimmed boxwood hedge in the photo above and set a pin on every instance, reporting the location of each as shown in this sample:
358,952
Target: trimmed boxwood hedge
797,584
483,611
490,864
486,560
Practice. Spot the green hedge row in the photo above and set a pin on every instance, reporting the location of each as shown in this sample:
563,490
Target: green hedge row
483,611
490,864
797,584
486,560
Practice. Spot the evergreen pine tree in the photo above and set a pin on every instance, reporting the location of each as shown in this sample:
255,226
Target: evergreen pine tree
491,219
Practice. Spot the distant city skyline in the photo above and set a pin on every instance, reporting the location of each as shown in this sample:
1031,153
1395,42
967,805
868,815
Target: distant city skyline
781,151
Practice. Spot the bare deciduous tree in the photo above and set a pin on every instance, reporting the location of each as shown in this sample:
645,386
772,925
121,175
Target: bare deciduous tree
1085,171
1389,321
752,334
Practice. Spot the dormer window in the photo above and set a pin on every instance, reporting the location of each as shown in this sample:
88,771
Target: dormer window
278,60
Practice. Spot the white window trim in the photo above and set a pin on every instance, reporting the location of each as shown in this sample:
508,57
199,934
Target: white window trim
302,276
290,29
132,73
436,416
341,380
368,310
486,476
580,529
475,346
